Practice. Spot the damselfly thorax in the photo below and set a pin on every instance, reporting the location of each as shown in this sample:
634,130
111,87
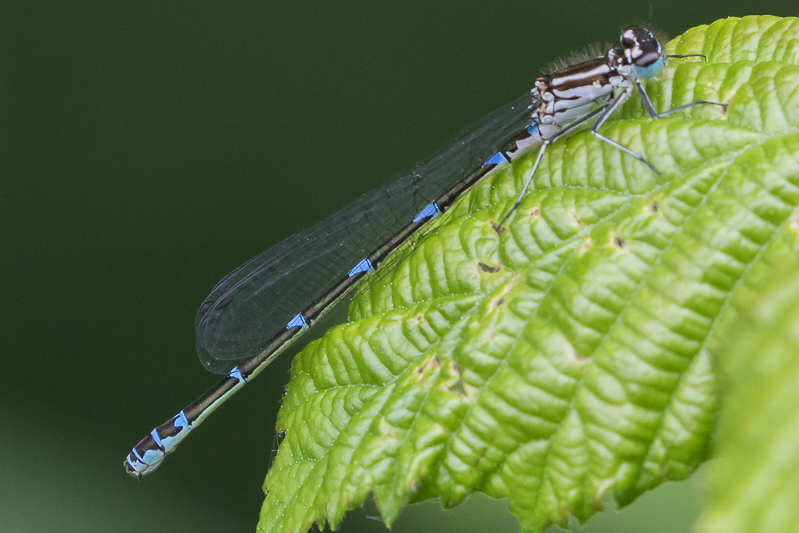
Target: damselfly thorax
571,93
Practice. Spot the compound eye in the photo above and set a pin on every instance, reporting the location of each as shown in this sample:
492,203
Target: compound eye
647,59
629,37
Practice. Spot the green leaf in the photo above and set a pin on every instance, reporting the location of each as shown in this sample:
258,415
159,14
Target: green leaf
754,483
567,358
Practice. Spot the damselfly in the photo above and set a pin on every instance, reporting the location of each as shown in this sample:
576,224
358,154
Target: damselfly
251,315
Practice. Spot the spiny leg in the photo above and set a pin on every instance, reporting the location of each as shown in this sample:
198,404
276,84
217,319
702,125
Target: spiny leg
498,227
555,136
654,114
608,111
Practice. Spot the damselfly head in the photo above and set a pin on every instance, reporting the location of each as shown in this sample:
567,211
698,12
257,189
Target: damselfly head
643,51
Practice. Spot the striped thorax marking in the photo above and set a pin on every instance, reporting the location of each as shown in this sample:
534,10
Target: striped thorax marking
571,93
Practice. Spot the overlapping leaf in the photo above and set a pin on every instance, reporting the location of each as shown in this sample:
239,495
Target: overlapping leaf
568,357
754,484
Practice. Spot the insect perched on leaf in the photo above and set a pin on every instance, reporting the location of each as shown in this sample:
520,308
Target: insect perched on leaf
252,315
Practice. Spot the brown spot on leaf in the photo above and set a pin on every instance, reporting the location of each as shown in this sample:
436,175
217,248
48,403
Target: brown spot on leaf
496,227
427,364
654,207
577,354
457,385
536,212
488,268
481,457
619,242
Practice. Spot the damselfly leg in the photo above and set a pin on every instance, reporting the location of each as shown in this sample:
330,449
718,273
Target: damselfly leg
544,144
601,120
654,114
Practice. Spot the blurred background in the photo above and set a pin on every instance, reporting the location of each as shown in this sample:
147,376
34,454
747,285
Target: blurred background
148,148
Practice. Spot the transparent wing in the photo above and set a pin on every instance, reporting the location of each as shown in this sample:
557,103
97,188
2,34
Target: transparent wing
255,301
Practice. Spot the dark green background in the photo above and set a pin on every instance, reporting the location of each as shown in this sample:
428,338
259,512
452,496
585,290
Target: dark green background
148,148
